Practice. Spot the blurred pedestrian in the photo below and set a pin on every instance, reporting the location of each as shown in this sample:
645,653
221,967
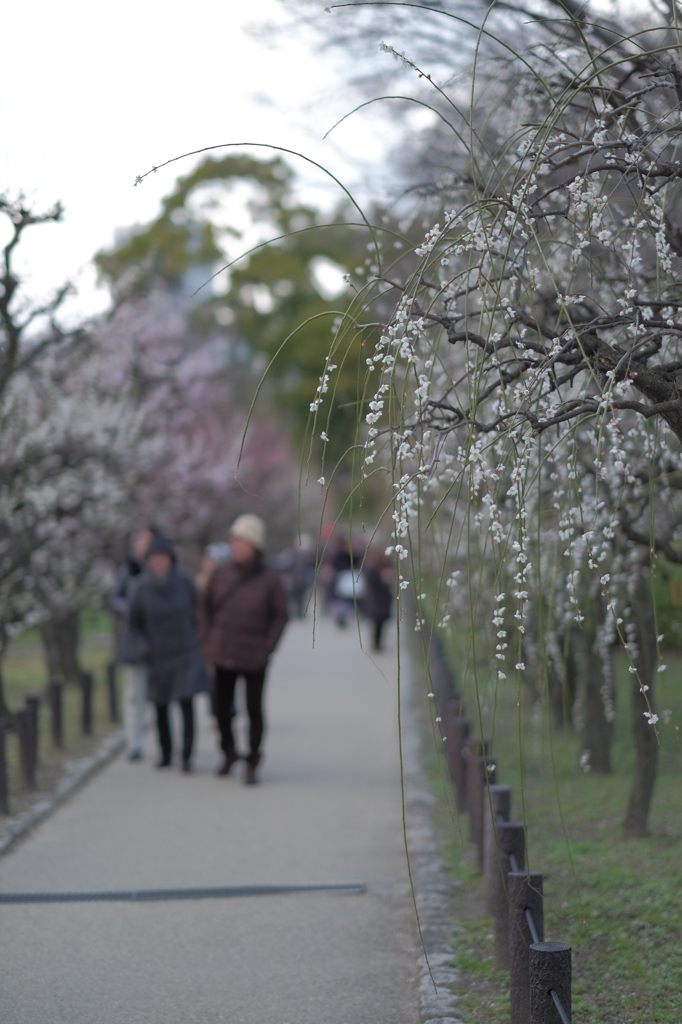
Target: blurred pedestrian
378,595
214,555
243,614
299,567
163,611
131,646
346,585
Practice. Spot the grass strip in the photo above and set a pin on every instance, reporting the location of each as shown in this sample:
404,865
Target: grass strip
25,673
615,901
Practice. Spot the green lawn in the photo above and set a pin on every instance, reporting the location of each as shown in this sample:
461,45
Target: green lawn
616,902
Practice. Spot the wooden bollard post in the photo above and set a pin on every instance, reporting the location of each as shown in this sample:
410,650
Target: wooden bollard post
4,781
437,677
54,697
459,733
525,898
86,716
23,728
511,841
496,808
486,771
475,750
442,688
32,704
450,714
550,981
113,692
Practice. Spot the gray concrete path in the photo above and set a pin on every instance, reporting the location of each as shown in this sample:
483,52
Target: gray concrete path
328,810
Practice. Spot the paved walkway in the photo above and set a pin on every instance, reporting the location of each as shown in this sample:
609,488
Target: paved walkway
328,810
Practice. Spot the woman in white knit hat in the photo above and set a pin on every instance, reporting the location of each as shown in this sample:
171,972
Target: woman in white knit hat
243,612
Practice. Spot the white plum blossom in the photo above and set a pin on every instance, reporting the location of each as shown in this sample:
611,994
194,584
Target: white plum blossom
522,396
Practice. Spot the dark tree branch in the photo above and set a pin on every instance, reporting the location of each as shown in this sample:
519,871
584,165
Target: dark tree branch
12,329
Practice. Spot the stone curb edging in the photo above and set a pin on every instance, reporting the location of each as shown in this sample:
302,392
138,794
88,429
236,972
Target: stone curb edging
77,773
433,887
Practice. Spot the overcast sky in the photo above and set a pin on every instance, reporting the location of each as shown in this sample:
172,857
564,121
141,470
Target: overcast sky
93,94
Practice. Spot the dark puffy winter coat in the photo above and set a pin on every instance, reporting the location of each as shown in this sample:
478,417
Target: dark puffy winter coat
242,614
163,611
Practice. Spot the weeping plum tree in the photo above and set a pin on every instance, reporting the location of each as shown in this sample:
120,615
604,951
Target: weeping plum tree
527,390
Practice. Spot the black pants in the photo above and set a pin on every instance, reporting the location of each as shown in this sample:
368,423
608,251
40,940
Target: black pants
378,630
225,681
163,725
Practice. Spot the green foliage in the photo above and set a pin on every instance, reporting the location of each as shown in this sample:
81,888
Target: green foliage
276,304
179,240
296,328
668,615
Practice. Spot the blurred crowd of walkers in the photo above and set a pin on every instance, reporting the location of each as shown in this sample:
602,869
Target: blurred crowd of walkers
171,630
358,583
180,634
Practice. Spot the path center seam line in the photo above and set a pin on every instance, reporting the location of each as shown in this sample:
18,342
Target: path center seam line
161,895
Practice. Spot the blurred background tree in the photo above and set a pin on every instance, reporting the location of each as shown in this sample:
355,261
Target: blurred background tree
277,304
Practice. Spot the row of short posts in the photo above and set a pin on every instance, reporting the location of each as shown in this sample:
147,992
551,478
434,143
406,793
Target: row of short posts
540,972
26,725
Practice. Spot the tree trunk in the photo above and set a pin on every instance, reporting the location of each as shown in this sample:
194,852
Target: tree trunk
644,734
597,728
562,686
4,710
60,636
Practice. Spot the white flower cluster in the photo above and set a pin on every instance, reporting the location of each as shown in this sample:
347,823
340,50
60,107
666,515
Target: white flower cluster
323,386
507,399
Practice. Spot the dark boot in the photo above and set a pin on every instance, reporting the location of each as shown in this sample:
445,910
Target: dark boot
165,740
225,767
187,709
250,765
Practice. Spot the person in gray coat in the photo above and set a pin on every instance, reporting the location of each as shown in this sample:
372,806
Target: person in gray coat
130,645
163,610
